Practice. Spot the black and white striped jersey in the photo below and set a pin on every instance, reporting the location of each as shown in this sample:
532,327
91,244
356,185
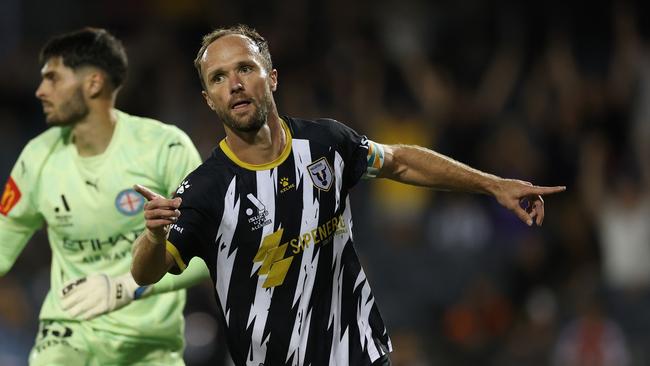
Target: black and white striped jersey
278,241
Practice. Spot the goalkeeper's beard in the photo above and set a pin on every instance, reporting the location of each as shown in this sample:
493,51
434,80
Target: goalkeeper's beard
69,112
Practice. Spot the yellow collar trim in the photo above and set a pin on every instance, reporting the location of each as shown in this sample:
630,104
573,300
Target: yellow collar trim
270,165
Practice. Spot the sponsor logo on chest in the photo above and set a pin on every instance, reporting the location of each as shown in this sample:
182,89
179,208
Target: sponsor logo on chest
258,217
62,213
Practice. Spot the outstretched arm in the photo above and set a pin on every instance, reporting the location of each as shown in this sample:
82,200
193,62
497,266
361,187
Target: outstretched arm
423,167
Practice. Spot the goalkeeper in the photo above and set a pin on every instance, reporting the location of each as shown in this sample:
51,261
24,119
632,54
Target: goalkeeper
76,179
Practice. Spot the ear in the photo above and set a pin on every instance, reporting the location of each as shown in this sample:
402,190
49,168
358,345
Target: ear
273,75
207,99
94,83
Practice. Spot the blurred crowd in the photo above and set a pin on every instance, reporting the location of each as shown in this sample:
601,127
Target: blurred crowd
556,93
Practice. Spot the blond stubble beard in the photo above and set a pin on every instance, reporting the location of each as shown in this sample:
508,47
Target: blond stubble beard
255,122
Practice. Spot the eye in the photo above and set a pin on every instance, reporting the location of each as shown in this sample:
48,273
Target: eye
51,77
217,78
246,69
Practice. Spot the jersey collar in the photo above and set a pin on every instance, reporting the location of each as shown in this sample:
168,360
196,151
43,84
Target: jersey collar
266,166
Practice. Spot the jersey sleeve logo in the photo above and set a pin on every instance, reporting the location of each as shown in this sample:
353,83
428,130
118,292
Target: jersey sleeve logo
321,174
10,197
129,202
184,185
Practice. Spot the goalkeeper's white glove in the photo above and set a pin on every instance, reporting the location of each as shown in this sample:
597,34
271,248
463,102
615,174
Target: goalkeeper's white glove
97,294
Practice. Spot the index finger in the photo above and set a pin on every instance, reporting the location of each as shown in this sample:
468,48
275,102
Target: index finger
546,190
146,192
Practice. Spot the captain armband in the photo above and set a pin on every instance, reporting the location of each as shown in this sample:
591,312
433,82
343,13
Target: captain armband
375,159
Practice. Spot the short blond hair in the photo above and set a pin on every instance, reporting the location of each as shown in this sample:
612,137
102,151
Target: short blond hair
241,29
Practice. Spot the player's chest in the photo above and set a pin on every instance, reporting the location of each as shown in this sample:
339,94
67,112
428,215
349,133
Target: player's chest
75,201
289,195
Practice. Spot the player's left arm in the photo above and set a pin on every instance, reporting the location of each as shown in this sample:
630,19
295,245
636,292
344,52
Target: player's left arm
423,167
19,214
100,293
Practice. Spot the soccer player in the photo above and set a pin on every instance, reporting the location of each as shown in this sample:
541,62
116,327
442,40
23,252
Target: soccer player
269,212
76,178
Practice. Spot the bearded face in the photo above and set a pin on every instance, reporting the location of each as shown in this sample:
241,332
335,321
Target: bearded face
61,94
238,85
248,116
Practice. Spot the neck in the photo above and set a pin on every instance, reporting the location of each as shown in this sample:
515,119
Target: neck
259,147
93,134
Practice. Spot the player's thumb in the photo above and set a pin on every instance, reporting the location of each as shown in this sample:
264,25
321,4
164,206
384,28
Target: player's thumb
523,215
146,192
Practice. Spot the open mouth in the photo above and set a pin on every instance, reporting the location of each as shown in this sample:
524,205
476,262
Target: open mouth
240,104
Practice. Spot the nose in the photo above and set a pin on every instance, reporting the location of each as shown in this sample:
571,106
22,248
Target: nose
236,84
40,91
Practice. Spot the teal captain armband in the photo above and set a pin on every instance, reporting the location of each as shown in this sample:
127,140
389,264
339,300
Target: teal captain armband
375,159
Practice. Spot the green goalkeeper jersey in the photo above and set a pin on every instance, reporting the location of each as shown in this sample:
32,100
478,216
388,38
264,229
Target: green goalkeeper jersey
93,215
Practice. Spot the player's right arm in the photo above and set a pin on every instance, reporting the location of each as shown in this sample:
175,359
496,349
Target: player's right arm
151,260
19,217
419,166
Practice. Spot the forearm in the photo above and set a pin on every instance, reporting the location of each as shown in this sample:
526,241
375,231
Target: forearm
423,167
195,273
12,243
149,260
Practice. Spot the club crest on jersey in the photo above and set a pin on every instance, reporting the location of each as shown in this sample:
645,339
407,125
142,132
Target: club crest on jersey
129,202
10,197
321,174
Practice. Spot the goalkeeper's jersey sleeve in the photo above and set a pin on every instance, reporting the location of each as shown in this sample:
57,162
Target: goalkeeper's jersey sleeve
19,216
93,215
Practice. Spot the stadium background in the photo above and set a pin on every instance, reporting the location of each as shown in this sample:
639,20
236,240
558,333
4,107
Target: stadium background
553,92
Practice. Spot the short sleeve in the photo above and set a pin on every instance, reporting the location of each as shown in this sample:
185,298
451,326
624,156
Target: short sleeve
354,150
196,227
19,216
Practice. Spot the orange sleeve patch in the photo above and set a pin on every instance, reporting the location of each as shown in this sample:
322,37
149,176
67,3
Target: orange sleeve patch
10,197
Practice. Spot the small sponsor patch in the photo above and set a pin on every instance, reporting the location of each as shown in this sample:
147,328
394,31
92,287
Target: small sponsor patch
257,218
10,197
285,185
129,202
321,174
184,185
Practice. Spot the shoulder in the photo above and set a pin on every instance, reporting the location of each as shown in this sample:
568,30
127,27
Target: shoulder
149,129
47,138
209,179
321,129
45,143
35,155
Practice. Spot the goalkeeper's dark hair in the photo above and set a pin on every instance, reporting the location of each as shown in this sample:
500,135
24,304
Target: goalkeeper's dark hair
89,47
240,29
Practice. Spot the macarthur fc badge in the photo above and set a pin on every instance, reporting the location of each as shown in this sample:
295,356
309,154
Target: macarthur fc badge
321,174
